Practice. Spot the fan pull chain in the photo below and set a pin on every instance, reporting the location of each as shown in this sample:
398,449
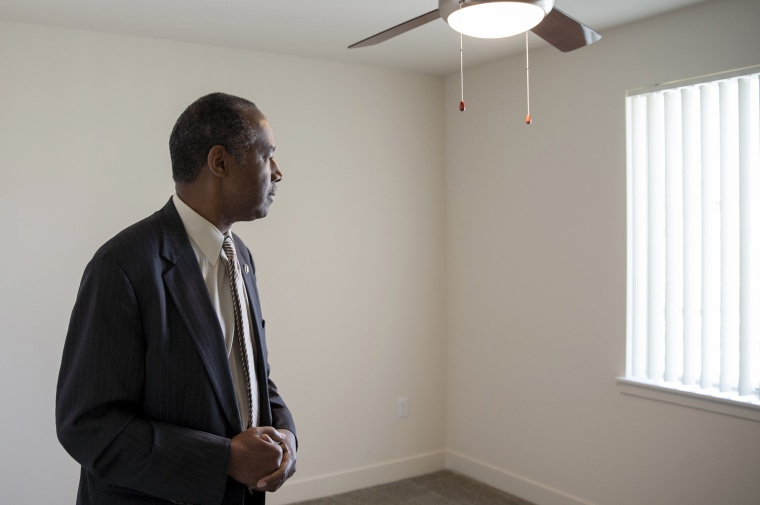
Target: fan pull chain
461,74
528,119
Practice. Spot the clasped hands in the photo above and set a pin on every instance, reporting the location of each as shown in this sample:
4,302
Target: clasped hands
263,458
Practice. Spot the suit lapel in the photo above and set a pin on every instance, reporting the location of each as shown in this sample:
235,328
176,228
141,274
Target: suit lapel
249,277
185,284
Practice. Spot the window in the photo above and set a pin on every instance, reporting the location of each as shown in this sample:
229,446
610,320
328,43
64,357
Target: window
693,315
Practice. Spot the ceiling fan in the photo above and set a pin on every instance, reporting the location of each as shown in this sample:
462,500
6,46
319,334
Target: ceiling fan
500,18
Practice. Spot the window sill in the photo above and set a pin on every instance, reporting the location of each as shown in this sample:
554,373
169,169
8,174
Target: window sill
680,395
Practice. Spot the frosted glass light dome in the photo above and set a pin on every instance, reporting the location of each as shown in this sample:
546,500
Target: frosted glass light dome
495,19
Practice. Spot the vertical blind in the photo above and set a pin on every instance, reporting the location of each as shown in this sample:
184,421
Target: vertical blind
693,312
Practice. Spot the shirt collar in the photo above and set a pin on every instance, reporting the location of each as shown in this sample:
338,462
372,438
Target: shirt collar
206,236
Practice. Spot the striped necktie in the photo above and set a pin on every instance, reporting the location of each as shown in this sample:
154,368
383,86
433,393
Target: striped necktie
233,270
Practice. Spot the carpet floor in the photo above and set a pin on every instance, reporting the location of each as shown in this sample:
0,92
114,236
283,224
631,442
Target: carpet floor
439,488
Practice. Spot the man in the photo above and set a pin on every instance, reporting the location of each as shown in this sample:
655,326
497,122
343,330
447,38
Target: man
164,393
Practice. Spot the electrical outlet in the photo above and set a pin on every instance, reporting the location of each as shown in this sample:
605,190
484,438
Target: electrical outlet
403,406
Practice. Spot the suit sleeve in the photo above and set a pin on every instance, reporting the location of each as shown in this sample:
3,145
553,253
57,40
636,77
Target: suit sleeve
281,415
100,385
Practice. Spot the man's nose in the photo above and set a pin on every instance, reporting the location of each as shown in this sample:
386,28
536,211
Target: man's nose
276,172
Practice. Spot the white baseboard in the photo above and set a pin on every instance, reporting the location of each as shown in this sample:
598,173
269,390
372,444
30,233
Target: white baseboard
342,482
382,473
511,483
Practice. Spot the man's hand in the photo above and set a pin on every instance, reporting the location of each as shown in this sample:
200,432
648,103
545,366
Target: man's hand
287,468
256,454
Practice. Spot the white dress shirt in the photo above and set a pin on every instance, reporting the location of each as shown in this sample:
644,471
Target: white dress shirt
206,241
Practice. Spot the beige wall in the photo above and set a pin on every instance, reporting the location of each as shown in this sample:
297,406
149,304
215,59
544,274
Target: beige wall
536,269
350,259
391,199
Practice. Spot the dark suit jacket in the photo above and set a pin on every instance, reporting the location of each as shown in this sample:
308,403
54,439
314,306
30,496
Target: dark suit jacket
145,400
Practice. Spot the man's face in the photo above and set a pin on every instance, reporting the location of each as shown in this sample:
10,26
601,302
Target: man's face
252,183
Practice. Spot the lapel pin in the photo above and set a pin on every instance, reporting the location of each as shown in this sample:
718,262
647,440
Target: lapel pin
245,267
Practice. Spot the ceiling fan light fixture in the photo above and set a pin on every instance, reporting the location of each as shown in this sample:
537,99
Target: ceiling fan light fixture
494,18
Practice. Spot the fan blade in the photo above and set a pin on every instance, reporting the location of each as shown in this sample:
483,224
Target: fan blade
397,30
564,32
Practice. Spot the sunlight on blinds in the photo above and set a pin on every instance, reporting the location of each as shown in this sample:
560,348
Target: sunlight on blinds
694,237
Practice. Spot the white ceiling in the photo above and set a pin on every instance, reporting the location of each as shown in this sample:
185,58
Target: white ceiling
315,28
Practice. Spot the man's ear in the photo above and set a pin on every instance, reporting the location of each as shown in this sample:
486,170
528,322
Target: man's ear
216,161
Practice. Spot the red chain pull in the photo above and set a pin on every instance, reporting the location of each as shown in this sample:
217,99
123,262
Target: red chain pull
461,74
528,119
